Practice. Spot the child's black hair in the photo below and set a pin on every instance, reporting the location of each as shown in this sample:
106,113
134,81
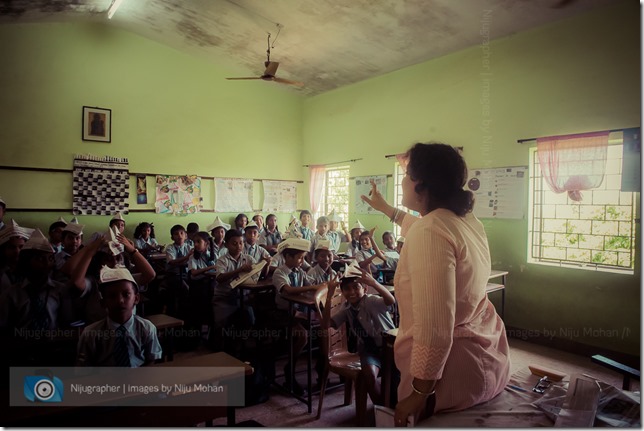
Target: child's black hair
176,228
141,227
192,228
269,216
365,233
346,281
291,252
232,233
211,245
387,232
57,224
304,212
239,217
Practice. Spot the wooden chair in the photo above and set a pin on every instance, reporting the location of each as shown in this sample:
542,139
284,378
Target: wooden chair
333,345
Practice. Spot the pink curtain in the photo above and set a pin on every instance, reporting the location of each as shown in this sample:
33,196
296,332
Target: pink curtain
316,186
572,163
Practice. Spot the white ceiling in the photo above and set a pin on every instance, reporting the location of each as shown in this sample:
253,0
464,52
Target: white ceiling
324,43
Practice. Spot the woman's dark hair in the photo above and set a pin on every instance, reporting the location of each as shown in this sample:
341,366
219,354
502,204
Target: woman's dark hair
141,226
441,173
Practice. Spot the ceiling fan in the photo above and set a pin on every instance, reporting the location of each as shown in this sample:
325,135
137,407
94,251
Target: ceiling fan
271,69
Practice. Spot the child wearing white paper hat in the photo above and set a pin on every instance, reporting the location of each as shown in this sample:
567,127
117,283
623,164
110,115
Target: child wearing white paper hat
290,278
305,221
218,230
323,256
122,339
368,316
118,221
37,302
12,239
336,237
72,239
354,247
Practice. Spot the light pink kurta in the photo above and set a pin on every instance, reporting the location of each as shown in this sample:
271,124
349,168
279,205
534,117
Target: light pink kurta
449,330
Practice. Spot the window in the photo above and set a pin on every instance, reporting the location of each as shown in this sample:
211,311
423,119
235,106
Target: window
597,233
399,174
335,194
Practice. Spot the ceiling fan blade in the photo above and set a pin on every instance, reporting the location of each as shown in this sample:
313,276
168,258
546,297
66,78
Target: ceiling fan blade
234,79
271,68
287,81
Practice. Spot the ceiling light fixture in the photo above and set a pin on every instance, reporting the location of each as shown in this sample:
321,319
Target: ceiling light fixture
115,5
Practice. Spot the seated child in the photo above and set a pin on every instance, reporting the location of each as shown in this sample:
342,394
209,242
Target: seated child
334,235
288,279
191,230
144,238
322,226
241,221
389,241
37,302
12,239
85,267
253,249
368,318
177,255
56,234
370,257
391,250
226,299
218,230
305,220
354,247
272,236
259,221
72,238
322,272
122,339
201,279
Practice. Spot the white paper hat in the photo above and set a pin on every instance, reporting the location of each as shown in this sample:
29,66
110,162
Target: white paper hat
358,225
60,219
3,202
401,239
37,241
323,244
333,216
293,231
109,275
118,216
252,224
352,270
12,229
218,223
74,220
293,220
75,228
295,243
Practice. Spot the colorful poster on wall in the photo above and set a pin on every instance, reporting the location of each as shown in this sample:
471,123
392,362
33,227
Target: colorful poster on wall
100,185
279,196
233,195
141,190
363,187
178,194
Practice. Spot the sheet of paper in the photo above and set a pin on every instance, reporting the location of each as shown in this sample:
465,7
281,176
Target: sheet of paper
247,275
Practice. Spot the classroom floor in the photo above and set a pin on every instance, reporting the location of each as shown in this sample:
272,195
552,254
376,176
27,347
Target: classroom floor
284,411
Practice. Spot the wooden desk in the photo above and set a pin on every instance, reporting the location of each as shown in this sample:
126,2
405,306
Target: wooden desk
143,416
306,299
388,364
494,287
166,323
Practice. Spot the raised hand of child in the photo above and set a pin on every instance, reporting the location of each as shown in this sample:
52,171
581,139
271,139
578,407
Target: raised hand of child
128,245
375,199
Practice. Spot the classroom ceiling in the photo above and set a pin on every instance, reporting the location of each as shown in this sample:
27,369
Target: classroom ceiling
325,44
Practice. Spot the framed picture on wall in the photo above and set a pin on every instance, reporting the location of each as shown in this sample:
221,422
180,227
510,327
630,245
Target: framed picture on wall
97,124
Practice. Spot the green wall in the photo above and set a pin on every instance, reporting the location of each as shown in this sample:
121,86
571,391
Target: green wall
579,75
173,113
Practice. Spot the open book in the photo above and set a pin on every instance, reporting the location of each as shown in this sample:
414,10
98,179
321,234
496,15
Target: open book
247,275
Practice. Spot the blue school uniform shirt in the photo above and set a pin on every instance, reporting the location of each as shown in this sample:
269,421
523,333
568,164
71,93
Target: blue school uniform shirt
320,276
307,233
373,315
203,261
295,277
174,251
226,299
269,238
335,238
96,343
142,244
256,251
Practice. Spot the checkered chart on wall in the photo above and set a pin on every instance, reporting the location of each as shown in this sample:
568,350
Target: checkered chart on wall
101,185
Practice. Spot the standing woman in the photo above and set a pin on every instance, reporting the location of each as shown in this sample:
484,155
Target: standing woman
451,348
